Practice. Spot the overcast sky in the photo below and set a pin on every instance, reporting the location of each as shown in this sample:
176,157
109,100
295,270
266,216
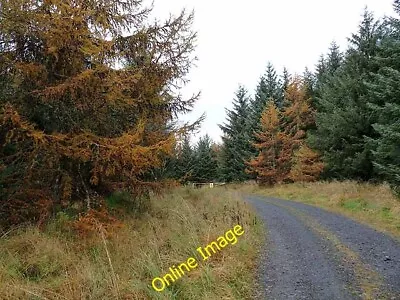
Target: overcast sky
236,39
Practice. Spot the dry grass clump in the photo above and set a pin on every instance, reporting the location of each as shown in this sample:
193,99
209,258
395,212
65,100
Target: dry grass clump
368,203
55,264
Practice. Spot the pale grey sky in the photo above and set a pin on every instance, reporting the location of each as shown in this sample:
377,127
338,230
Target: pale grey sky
236,39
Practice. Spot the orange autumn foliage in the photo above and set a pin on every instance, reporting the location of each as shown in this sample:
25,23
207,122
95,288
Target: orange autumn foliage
268,165
298,114
307,165
95,221
89,101
283,155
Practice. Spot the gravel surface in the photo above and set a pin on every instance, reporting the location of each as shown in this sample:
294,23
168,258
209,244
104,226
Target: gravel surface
314,254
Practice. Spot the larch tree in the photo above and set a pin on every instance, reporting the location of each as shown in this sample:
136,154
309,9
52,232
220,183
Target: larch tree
89,97
266,165
297,118
283,153
306,165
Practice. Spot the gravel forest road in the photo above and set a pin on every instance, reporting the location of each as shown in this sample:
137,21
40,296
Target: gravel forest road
314,254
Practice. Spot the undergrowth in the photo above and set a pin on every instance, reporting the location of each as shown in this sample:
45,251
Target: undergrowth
56,263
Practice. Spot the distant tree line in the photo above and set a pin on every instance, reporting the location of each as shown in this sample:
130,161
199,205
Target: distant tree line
194,163
341,121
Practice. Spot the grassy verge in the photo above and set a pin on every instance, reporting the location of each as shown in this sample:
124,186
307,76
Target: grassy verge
374,205
51,264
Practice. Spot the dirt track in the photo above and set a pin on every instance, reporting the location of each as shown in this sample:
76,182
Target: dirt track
315,254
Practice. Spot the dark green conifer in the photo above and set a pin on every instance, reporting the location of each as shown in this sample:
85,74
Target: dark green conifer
236,147
334,59
384,96
205,162
284,83
186,161
343,118
268,89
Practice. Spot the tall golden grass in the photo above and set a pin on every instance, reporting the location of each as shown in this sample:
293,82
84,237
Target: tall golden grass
55,264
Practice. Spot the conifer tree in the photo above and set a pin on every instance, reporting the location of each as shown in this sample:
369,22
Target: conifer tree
286,78
384,95
185,161
272,85
236,147
297,118
343,118
299,115
285,81
73,126
321,70
321,75
205,167
282,135
266,166
309,82
325,70
306,165
267,90
217,156
334,59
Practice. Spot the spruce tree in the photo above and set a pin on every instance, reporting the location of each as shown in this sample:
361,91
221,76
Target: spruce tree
236,147
325,69
309,82
384,95
343,118
205,162
286,78
321,70
320,78
267,90
334,59
284,83
272,85
185,161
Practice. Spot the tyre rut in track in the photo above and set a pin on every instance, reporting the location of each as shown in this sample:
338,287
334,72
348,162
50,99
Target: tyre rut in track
306,258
